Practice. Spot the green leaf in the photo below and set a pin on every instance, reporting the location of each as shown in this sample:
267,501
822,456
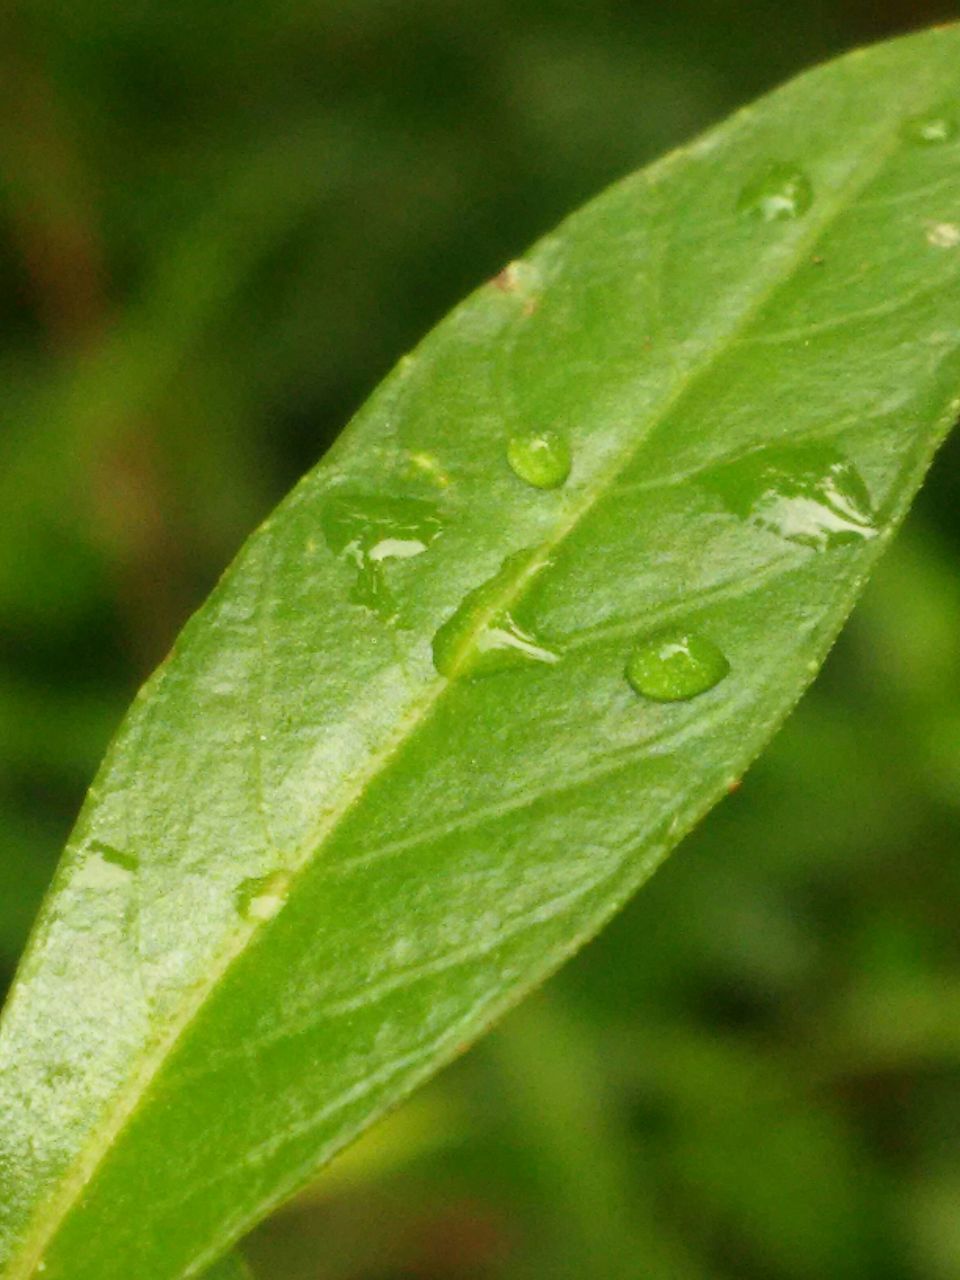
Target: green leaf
233,1267
313,866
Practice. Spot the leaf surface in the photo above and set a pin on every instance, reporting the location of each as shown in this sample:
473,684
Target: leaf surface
232,1267
393,772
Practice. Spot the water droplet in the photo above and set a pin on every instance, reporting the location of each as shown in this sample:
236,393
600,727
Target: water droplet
779,192
674,665
943,235
541,458
369,532
261,897
809,494
482,636
930,130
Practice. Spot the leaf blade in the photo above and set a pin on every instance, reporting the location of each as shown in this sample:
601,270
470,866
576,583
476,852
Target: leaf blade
232,1267
692,337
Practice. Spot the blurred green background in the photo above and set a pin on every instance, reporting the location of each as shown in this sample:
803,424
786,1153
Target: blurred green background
220,224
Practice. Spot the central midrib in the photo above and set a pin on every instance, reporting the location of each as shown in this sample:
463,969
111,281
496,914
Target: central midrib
86,1164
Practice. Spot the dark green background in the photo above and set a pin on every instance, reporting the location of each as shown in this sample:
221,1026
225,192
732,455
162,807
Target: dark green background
220,224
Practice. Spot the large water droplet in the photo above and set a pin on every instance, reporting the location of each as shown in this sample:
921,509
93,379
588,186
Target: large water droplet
779,192
541,458
369,532
261,897
674,665
482,636
930,130
808,494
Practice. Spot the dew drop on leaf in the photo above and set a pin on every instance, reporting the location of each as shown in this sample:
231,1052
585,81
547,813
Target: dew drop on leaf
541,458
930,130
504,643
261,897
778,192
809,494
482,636
674,665
369,532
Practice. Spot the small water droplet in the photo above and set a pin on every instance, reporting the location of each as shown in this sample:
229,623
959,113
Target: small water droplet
674,665
541,458
369,532
930,130
261,897
482,636
809,494
943,235
778,192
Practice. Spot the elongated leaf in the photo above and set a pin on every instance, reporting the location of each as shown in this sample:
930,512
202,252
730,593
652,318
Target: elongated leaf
233,1267
314,866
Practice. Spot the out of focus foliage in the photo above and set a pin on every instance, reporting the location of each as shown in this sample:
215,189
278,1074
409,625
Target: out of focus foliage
219,226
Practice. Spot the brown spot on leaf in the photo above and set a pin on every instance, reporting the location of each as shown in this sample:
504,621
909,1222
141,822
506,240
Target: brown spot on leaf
505,280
